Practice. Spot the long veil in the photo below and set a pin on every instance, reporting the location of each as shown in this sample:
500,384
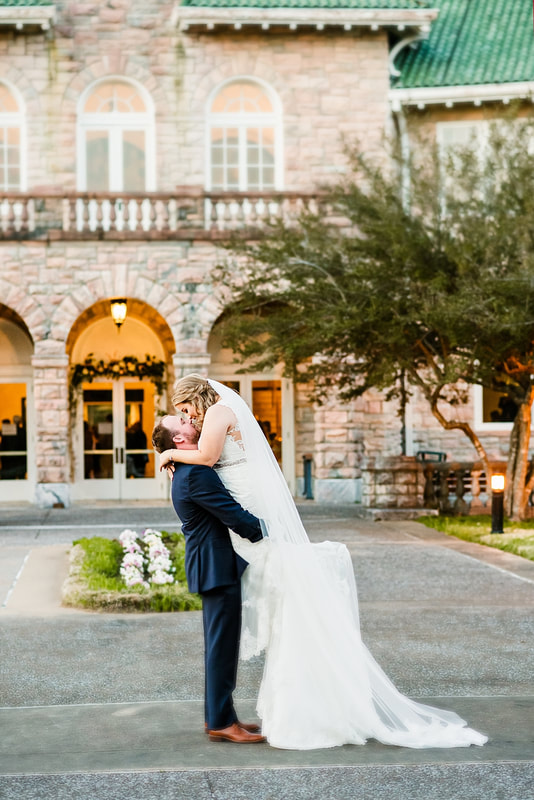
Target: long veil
312,631
272,497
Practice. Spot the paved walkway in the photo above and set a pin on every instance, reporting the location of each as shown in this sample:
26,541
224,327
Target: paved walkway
96,706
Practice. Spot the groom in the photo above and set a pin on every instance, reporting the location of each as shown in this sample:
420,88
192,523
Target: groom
213,569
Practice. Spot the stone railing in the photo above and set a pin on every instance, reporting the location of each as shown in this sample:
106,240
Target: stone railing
458,487
184,214
405,482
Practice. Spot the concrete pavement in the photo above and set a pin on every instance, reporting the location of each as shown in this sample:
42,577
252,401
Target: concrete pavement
110,705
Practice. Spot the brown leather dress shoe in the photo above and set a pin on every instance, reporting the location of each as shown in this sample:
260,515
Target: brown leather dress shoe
233,733
251,727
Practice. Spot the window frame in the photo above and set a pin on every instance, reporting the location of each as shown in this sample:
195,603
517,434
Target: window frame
17,119
115,123
243,121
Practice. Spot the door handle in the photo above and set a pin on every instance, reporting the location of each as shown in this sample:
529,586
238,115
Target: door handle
119,455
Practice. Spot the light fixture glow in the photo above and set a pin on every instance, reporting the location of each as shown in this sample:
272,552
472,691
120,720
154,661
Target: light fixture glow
119,309
497,483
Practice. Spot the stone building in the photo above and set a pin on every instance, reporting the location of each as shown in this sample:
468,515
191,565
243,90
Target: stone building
133,134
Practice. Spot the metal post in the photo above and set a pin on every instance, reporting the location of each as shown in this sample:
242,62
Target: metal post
497,503
497,511
307,460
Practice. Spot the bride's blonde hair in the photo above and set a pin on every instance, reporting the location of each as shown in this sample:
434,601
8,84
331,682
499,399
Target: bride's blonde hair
195,390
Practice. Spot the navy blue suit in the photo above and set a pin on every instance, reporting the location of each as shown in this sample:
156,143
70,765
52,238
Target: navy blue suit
214,569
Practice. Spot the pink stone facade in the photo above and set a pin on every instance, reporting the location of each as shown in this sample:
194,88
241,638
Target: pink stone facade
332,85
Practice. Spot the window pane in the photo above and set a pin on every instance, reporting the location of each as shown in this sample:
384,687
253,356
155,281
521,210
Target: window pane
7,100
134,165
139,413
232,155
267,408
13,136
268,178
13,178
253,178
242,97
232,178
97,161
217,155
217,178
114,96
98,432
497,407
13,456
9,159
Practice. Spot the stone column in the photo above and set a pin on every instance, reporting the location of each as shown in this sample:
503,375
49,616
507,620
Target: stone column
184,363
52,429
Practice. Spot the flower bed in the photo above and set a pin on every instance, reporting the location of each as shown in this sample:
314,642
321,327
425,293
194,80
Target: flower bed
133,574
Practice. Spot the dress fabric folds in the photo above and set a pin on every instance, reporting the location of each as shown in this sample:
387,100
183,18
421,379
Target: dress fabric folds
321,687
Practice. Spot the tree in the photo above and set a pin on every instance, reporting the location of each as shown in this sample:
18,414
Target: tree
436,289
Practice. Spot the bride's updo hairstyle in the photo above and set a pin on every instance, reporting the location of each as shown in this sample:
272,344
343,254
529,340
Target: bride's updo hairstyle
195,390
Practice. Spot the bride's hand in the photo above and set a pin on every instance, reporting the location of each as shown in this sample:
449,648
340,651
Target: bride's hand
166,461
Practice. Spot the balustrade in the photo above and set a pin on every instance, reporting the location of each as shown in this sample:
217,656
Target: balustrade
458,487
187,213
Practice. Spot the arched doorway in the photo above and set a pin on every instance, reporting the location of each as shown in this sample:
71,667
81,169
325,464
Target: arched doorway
17,432
112,455
268,394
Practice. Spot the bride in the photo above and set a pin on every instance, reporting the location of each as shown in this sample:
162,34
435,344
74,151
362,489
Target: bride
320,687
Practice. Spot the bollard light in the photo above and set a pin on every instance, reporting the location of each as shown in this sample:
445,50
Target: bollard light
497,503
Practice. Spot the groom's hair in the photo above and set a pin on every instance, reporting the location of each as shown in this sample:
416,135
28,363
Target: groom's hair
162,438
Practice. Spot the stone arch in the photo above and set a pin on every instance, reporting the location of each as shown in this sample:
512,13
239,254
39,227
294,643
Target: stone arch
92,299
29,314
11,316
137,309
113,66
117,66
240,65
18,80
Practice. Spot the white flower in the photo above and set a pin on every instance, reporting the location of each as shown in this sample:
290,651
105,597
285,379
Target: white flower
145,558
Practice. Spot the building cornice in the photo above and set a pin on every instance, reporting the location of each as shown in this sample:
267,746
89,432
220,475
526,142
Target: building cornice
20,17
202,19
454,95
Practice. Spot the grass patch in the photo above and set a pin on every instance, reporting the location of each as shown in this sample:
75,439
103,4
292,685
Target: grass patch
94,581
518,537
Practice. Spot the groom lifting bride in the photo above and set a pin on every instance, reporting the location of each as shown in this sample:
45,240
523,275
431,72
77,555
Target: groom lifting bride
214,570
320,686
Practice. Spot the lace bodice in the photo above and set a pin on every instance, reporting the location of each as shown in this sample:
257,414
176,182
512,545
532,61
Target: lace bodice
233,451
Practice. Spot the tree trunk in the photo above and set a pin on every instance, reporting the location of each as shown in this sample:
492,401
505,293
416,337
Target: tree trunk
517,489
451,424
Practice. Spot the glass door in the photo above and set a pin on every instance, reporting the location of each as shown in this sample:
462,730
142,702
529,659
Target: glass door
271,401
140,476
16,469
116,460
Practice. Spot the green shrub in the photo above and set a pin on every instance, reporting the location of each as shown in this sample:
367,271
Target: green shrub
518,537
95,582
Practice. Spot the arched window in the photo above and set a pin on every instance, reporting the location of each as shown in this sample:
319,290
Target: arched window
11,132
115,138
245,134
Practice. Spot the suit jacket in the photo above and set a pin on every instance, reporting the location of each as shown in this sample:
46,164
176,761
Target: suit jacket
206,511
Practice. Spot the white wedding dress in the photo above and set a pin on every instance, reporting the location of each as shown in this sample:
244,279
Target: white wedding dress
320,687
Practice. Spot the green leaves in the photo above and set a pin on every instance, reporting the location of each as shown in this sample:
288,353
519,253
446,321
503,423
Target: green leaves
434,279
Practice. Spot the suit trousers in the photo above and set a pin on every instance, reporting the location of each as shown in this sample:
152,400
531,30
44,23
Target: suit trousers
221,610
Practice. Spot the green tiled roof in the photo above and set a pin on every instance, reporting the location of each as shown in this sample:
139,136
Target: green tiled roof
472,42
14,3
355,4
